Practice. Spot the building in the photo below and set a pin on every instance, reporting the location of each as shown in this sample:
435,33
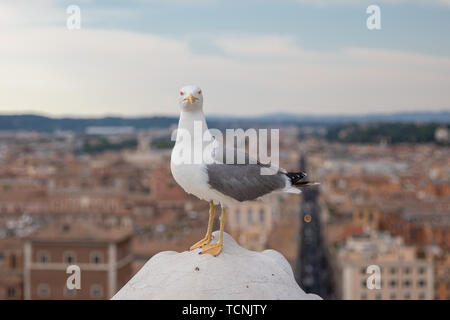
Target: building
420,226
250,223
442,276
366,216
442,135
11,269
163,187
403,274
103,256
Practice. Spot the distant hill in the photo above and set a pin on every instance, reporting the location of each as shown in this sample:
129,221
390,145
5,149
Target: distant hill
29,122
46,124
398,132
417,117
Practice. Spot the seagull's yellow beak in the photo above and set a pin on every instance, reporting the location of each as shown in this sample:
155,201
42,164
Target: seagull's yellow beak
191,98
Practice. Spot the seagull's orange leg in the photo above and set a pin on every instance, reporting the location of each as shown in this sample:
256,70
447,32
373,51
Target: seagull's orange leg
216,248
207,238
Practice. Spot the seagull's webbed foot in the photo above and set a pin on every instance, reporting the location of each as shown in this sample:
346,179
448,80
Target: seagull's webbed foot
201,243
213,249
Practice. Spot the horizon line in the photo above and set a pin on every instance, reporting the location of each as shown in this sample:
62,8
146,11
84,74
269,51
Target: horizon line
213,115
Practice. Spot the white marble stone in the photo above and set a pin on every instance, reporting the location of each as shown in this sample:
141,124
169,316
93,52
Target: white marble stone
236,273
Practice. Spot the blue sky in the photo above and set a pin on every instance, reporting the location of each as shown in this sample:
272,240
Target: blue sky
249,56
407,25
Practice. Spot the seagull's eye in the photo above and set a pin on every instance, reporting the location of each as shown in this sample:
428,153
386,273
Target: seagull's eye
200,92
181,93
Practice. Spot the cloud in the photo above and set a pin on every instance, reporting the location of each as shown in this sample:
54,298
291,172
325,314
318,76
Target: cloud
53,70
444,2
22,13
281,47
369,2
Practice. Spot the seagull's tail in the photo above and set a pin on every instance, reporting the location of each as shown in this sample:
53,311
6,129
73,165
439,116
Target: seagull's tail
297,181
306,184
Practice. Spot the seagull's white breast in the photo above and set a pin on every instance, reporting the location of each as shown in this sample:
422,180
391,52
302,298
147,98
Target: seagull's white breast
193,177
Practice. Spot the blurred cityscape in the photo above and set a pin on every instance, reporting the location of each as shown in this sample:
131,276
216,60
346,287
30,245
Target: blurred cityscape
103,198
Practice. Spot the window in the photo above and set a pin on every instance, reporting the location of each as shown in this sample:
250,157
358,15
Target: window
96,257
43,257
393,270
69,293
238,216
421,283
250,218
43,290
13,261
407,270
407,283
422,296
364,296
421,270
261,216
96,291
393,296
363,270
364,284
393,283
11,292
407,296
69,257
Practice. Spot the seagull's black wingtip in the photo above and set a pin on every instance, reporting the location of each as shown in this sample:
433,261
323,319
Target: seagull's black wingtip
296,177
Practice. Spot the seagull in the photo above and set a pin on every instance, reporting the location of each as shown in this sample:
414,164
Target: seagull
212,179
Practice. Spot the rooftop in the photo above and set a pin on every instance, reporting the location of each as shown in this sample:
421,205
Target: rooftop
79,231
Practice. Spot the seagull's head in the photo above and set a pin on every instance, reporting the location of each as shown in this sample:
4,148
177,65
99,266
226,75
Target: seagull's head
190,98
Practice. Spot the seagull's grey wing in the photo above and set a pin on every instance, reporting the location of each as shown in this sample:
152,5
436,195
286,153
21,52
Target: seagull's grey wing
223,154
243,181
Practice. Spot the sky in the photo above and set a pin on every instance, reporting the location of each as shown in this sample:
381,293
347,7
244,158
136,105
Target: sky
250,57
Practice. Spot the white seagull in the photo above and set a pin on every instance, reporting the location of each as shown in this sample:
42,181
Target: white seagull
213,179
